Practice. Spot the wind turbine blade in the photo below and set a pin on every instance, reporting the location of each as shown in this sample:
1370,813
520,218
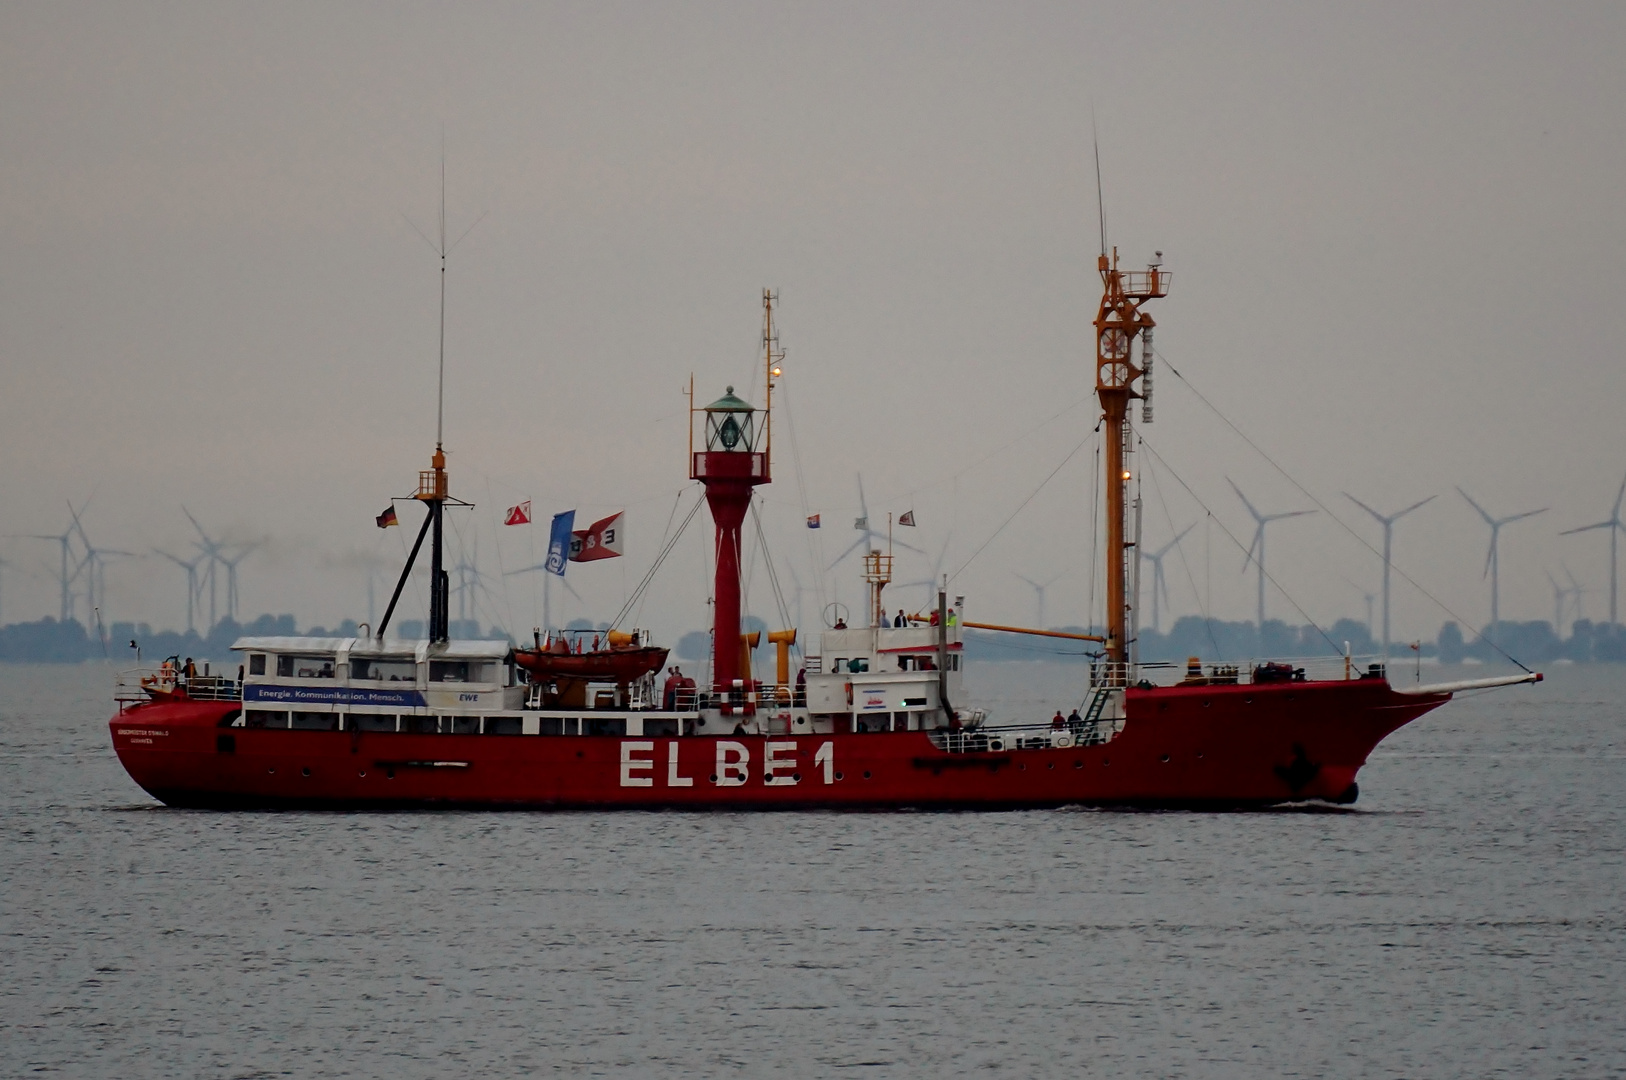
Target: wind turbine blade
1414,506
1243,497
1527,513
1488,519
856,544
1367,508
1258,534
1586,528
1618,497
1490,554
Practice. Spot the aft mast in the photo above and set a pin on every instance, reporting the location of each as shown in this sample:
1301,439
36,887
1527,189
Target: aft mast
1118,323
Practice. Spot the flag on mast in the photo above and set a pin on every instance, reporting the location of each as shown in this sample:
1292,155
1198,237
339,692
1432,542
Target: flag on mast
387,518
519,515
813,521
559,539
908,518
600,540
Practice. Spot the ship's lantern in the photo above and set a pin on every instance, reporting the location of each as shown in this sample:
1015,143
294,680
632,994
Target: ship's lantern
730,425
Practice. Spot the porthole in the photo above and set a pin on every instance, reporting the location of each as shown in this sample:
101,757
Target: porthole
1105,762
1164,759
714,778
796,778
361,772
866,774
1050,764
838,776
1078,764
306,771
389,774
271,771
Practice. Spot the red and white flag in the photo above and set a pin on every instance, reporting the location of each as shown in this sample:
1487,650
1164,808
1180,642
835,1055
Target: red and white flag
519,515
600,540
908,518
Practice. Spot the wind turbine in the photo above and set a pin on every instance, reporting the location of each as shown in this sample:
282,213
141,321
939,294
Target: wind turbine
1561,594
1260,521
1615,527
863,525
192,597
1388,524
231,577
212,552
1491,563
94,565
64,540
547,581
1038,589
935,581
1158,581
1577,590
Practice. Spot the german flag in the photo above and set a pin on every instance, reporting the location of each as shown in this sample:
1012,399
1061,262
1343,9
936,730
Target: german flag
387,518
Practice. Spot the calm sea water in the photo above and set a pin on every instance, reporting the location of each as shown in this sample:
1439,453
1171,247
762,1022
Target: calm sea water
1464,920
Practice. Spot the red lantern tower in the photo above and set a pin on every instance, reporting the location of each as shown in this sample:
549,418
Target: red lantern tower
733,461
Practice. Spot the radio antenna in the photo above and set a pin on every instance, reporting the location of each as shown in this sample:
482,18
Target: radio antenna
1100,201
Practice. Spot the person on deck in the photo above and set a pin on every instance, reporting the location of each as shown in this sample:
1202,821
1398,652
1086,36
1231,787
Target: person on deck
934,617
901,620
669,689
841,624
191,669
1058,722
1075,722
801,688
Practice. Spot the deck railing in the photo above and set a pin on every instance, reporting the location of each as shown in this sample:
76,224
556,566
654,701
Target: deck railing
145,683
996,740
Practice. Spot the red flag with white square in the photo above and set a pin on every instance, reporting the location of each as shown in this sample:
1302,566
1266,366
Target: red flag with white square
519,515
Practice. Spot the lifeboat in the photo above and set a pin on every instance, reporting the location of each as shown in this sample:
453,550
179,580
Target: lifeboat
621,660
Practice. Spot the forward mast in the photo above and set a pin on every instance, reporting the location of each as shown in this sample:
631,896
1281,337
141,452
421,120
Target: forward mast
1118,324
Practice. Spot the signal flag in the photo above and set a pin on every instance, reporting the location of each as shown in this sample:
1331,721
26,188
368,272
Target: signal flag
907,519
813,521
519,515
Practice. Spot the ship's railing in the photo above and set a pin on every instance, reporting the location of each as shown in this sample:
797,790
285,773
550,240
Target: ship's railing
688,699
1261,671
997,740
143,683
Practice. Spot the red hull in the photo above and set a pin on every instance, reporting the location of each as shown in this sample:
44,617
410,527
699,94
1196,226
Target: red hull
1180,746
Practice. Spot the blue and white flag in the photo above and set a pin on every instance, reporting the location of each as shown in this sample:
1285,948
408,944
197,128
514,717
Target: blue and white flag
559,542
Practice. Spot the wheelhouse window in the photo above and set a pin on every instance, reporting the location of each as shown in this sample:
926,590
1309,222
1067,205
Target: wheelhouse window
305,667
449,671
256,663
265,718
463,725
420,725
605,725
316,721
383,669
503,725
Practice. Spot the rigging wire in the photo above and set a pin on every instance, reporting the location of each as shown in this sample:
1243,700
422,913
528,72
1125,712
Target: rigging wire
665,532
1328,511
1247,553
1191,578
1023,505
660,557
773,575
815,542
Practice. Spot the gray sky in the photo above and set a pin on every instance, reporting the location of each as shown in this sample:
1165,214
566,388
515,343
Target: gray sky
1396,235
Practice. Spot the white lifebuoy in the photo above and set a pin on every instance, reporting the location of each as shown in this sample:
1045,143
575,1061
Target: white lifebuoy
1062,741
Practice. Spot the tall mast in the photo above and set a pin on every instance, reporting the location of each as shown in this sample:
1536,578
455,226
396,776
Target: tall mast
1118,323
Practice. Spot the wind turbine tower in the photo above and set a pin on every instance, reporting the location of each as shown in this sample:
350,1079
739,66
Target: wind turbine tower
1492,566
1615,527
1159,583
1038,589
1388,524
192,598
1260,521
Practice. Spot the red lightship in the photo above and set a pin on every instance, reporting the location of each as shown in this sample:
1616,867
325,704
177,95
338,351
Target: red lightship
375,721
